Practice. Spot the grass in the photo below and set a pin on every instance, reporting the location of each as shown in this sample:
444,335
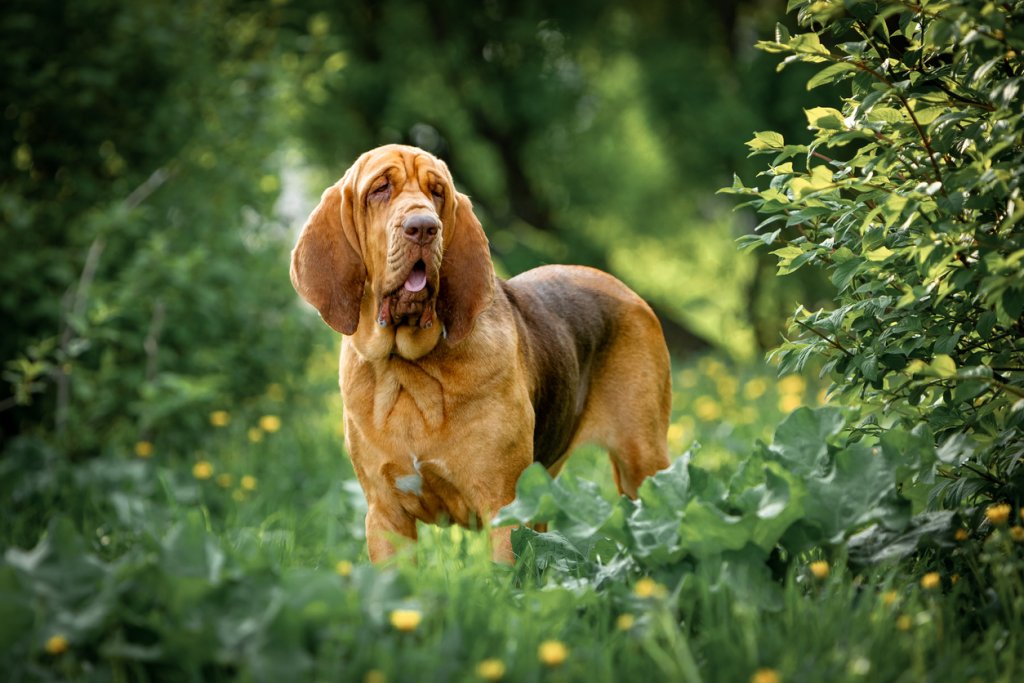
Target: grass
246,561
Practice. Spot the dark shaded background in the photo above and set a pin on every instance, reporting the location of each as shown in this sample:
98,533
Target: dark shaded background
146,146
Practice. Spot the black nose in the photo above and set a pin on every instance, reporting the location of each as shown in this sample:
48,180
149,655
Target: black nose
421,228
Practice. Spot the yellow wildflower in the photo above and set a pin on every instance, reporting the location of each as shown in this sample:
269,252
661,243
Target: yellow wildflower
961,535
726,386
889,597
755,388
224,480
649,588
143,449
790,402
255,434
792,384
998,514
687,378
220,418
238,495
202,470
931,581
406,619
375,676
491,669
765,675
248,482
270,423
344,567
552,652
707,408
56,644
1017,534
904,622
625,622
675,435
954,578
819,569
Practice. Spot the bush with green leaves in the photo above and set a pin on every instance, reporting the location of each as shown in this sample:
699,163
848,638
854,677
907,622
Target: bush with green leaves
908,193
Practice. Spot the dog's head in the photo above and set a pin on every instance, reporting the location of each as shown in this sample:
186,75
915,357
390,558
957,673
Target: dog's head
394,245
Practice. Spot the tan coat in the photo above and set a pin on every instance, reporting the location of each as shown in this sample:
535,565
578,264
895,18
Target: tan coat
454,380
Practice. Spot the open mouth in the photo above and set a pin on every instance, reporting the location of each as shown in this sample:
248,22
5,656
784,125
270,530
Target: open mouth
417,279
410,303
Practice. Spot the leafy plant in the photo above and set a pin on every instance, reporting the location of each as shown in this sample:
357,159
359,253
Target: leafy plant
810,488
908,193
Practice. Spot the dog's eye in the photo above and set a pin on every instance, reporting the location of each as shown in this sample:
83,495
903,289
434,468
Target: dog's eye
382,191
438,193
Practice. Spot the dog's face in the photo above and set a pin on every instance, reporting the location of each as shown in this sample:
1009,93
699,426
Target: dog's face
406,198
394,254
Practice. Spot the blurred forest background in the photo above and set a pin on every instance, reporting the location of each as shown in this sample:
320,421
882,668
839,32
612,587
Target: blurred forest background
158,158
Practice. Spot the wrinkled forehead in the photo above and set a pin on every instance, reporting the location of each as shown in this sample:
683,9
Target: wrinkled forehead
400,163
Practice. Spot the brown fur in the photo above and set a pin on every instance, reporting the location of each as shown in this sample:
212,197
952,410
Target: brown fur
474,378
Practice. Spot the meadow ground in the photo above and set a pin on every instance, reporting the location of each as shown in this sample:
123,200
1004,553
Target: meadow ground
246,561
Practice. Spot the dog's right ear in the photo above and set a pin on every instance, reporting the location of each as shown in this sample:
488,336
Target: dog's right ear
327,269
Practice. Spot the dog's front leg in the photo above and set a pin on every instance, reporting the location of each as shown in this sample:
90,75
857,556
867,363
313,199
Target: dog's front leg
387,531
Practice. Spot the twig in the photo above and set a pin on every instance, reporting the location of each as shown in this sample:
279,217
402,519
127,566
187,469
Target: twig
831,341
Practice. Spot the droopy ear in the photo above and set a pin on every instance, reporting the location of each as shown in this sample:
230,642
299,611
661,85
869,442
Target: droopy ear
327,270
467,275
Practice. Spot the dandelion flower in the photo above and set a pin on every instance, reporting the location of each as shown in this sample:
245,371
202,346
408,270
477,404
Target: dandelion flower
998,514
755,388
649,588
238,495
765,675
255,434
224,480
56,645
789,402
707,408
792,384
889,597
270,423
344,568
202,470
406,619
248,482
904,622
931,581
961,535
1017,534
552,652
143,449
375,676
491,669
625,622
675,434
819,569
220,418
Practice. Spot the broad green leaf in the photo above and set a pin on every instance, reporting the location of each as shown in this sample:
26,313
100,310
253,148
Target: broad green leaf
766,140
824,117
830,74
801,441
535,499
944,366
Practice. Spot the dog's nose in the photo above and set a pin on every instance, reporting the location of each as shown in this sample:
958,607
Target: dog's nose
421,228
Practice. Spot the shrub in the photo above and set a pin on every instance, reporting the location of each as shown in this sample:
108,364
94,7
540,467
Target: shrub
908,193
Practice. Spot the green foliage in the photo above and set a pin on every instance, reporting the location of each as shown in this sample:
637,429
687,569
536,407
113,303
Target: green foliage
809,488
144,270
909,195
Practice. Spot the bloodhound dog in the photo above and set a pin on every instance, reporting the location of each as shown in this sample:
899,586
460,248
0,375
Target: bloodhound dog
454,380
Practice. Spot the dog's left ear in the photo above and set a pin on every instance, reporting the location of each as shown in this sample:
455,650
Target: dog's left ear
467,275
327,269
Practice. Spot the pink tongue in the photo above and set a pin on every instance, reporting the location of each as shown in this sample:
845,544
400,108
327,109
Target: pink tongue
417,281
